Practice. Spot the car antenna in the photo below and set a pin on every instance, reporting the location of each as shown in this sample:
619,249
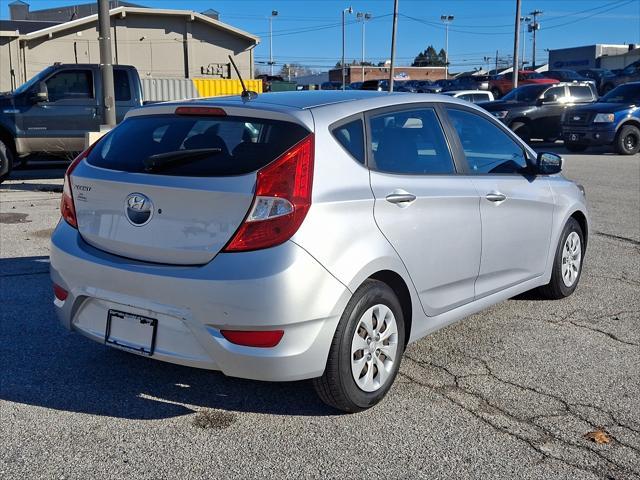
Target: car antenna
246,94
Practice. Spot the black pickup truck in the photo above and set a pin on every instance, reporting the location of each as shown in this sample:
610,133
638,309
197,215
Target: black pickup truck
53,110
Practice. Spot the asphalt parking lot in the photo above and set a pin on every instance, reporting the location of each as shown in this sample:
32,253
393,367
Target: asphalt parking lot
520,391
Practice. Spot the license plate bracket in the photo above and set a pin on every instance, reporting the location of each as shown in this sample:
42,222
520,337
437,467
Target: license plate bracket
131,332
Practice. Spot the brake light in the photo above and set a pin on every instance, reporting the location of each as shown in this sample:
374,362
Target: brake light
204,111
281,201
67,207
254,338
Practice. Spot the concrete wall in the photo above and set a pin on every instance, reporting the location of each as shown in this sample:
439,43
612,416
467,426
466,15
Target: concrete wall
620,61
157,45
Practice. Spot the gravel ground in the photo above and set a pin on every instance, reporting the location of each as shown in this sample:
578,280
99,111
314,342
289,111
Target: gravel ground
512,392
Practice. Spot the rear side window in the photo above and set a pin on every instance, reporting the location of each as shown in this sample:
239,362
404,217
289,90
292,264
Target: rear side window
410,142
121,85
351,137
487,148
227,145
580,93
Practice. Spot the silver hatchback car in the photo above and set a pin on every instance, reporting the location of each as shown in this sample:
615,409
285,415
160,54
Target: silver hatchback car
307,234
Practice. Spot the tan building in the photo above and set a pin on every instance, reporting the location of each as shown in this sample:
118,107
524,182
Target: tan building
158,42
355,73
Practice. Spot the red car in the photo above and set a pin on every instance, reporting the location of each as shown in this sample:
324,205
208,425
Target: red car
503,84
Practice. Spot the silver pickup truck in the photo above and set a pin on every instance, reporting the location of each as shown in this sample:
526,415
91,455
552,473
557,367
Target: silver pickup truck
53,110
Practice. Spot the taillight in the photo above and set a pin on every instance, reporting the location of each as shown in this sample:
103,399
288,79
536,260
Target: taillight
254,338
59,292
281,202
67,208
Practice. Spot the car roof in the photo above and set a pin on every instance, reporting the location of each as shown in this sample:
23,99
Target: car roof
464,92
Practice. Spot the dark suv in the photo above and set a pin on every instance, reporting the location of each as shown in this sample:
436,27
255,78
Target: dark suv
568,76
604,78
470,82
534,111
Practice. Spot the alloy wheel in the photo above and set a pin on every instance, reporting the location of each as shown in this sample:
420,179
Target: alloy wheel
571,259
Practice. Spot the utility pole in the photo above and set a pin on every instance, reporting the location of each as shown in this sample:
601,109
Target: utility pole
106,68
516,46
393,44
344,71
274,13
523,21
496,62
533,27
363,17
446,19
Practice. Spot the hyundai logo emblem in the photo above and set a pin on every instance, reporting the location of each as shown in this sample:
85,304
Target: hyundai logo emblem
138,209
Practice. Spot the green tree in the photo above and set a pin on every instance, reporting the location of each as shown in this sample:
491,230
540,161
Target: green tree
429,58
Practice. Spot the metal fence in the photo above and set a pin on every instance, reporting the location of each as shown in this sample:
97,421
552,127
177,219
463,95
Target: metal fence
166,89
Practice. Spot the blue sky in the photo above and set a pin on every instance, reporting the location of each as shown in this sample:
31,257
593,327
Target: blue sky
309,31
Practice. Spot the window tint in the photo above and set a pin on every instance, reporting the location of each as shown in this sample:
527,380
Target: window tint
487,148
70,84
480,97
242,145
410,142
351,137
121,85
580,93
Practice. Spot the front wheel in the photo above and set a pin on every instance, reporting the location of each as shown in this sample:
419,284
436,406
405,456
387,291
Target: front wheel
6,160
628,140
366,350
567,264
496,93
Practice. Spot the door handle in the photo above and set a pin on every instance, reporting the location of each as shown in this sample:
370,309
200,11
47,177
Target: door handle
496,197
404,197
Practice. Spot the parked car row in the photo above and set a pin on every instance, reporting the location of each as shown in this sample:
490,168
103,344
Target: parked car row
572,111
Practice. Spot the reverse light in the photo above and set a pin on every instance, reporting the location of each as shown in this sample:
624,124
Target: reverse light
281,202
604,118
67,207
59,292
254,338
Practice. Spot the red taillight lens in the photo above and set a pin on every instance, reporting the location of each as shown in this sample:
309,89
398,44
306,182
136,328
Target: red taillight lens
282,200
59,292
67,207
251,338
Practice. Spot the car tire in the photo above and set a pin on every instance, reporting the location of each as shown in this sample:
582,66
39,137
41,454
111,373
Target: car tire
567,263
6,160
496,93
575,147
522,130
338,386
628,140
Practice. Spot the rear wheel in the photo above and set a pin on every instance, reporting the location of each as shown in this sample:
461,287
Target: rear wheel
496,93
6,160
567,264
522,130
366,350
575,147
628,140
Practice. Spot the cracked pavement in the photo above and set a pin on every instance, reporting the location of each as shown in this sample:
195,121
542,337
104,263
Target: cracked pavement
508,393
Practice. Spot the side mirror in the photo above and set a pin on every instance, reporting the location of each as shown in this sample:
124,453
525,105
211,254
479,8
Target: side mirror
42,93
548,163
549,99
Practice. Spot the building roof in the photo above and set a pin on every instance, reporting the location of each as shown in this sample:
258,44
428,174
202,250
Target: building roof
124,11
24,26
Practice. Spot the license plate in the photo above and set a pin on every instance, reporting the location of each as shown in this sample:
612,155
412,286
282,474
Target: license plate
131,332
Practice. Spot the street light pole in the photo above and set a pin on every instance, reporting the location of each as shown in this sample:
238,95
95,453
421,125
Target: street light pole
108,103
274,13
446,19
344,72
363,17
393,44
516,46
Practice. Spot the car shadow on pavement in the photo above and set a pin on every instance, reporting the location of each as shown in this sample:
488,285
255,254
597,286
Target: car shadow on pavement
42,364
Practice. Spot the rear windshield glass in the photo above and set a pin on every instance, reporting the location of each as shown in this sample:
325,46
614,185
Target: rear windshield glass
223,145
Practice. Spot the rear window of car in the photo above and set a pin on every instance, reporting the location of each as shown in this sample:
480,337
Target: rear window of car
224,145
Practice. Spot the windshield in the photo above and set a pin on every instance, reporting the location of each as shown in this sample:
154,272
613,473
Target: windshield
526,93
33,81
629,93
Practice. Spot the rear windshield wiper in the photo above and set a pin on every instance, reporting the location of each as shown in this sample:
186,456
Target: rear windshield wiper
177,157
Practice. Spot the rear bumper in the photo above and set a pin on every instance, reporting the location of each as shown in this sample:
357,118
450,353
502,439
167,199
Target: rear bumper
278,288
589,135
